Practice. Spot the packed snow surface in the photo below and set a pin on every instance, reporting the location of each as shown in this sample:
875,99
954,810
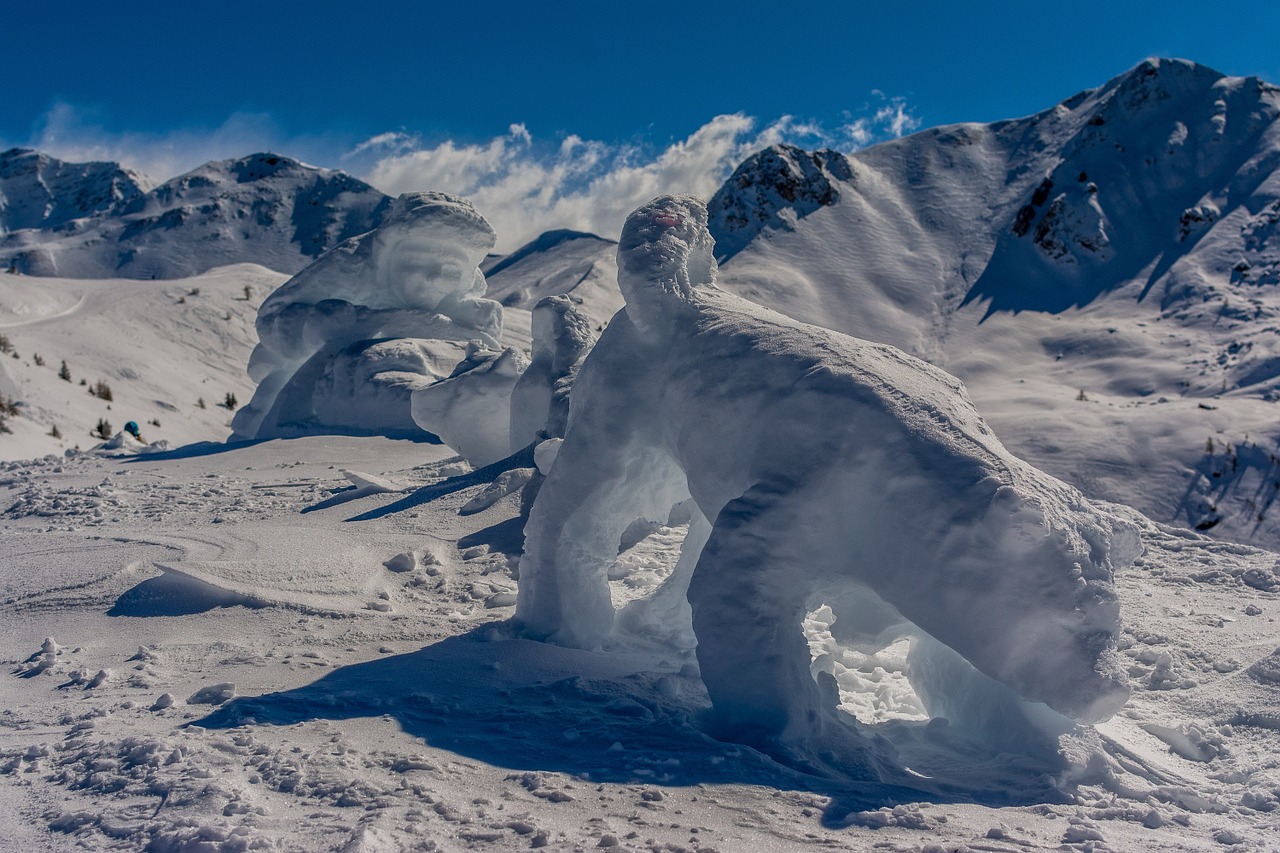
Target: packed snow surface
239,650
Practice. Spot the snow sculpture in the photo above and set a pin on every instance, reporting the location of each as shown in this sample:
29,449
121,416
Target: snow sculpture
470,411
540,400
821,470
345,342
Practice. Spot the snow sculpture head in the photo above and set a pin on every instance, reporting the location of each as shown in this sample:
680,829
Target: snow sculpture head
819,470
540,400
664,258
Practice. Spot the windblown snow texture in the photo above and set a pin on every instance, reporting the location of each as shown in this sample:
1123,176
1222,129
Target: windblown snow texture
837,472
346,342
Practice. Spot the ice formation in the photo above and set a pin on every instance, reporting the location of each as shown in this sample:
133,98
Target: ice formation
822,470
346,342
540,400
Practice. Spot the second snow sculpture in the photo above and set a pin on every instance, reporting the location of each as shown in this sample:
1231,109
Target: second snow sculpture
822,470
540,400
346,342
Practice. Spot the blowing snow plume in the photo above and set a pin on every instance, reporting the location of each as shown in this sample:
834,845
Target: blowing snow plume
822,470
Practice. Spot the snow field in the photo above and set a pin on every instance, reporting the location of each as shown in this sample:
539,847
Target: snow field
359,728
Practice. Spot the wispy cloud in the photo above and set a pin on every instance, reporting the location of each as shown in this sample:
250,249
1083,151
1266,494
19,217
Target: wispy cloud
76,133
524,184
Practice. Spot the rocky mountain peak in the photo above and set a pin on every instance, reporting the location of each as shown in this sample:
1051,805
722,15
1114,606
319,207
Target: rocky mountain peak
773,188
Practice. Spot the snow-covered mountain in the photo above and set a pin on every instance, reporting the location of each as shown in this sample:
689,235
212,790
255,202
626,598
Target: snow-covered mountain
582,266
39,191
1103,275
265,209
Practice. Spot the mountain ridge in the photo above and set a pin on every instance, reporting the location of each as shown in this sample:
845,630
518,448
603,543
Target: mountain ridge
1101,274
263,208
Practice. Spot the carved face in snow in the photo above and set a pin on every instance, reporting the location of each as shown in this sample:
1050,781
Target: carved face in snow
429,249
421,271
665,250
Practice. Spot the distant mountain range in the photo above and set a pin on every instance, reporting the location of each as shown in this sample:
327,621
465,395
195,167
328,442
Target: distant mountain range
1103,275
97,220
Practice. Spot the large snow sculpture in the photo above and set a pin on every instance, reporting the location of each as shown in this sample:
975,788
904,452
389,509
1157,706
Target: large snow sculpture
833,471
346,342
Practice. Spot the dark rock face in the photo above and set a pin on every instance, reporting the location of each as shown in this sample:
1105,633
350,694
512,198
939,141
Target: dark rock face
772,189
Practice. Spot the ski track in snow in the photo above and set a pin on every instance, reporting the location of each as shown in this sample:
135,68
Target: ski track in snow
363,706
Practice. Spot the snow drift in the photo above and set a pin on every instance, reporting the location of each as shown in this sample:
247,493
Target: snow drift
832,471
344,344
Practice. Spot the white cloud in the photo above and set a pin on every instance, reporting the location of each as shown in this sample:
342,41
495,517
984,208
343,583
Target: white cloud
525,186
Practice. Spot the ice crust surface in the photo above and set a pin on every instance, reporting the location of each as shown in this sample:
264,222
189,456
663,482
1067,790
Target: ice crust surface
834,472
346,343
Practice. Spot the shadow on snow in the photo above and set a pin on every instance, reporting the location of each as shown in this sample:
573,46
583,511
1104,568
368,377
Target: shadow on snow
607,716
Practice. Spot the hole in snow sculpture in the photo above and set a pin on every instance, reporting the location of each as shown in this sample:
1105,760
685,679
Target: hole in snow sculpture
345,344
822,478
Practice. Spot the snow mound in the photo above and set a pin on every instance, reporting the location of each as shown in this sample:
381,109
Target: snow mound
344,344
471,410
908,520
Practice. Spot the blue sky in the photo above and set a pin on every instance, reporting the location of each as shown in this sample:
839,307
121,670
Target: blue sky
165,86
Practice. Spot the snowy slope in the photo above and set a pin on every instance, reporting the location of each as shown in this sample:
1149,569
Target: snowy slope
39,191
160,347
264,209
582,266
1121,244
